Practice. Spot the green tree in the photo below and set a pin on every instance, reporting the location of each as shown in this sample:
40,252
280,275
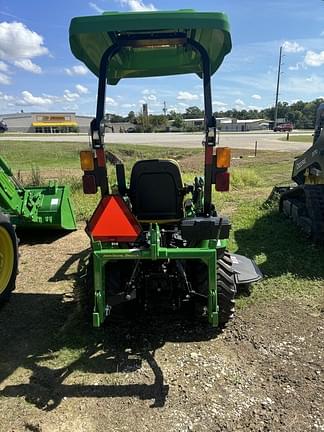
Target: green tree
193,112
178,121
131,116
157,121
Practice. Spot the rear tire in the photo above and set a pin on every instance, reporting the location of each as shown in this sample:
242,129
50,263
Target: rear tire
8,258
226,288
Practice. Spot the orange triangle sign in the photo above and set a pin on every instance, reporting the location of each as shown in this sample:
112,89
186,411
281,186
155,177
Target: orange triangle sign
112,221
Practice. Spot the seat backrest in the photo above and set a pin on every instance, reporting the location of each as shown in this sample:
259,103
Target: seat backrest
156,190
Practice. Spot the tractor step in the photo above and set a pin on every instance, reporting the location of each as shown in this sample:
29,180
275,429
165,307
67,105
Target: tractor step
246,271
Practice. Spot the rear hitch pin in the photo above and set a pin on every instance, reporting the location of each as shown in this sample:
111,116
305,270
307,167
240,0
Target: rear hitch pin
107,310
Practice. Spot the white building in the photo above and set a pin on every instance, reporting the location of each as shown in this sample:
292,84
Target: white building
235,125
228,124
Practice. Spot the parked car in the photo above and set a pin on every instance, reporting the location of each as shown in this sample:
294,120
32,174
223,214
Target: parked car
283,127
3,126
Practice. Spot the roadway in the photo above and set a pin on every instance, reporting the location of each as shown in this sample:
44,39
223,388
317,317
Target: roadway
244,140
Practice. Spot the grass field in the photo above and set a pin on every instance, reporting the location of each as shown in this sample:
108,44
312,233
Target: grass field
298,138
292,266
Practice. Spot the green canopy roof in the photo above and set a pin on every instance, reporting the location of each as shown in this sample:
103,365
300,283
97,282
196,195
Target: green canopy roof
91,36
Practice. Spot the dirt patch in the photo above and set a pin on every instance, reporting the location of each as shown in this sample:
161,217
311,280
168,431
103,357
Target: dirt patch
43,176
240,157
263,373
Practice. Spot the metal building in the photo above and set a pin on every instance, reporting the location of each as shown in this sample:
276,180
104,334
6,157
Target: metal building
46,122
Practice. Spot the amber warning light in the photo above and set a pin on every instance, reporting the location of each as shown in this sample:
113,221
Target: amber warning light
223,157
223,162
86,159
112,221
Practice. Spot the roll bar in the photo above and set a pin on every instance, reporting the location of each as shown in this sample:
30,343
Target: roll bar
143,40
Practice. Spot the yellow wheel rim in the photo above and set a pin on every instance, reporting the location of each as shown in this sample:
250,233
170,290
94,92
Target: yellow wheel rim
7,258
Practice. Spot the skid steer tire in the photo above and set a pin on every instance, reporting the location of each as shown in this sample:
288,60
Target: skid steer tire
8,258
226,288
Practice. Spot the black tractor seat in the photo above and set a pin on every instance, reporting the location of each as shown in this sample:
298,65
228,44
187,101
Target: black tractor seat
156,191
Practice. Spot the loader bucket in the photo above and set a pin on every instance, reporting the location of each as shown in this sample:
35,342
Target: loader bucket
55,211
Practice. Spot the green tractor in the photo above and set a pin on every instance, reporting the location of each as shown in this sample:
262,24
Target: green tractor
156,237
33,208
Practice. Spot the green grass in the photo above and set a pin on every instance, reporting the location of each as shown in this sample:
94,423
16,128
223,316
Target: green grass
292,266
22,155
298,138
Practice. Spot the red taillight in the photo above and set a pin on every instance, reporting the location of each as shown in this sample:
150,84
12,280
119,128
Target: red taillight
101,158
222,182
112,221
89,184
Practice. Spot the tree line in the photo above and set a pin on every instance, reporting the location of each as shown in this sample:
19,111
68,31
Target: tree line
301,114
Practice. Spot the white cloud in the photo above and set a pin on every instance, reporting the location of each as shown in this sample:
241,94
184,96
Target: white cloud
219,104
137,5
256,97
111,102
184,95
82,89
4,79
76,70
30,100
314,59
71,107
295,68
70,96
292,47
128,105
3,67
239,102
96,7
28,66
151,97
18,45
6,98
19,42
308,88
148,91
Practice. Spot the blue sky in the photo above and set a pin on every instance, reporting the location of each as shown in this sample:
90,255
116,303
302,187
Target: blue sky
38,72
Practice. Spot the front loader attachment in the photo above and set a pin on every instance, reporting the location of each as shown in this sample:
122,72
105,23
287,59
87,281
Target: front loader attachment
46,207
55,211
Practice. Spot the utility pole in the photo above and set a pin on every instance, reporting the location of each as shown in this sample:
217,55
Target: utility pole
277,91
164,109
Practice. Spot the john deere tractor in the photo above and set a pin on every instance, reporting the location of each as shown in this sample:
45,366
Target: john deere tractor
156,237
35,207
